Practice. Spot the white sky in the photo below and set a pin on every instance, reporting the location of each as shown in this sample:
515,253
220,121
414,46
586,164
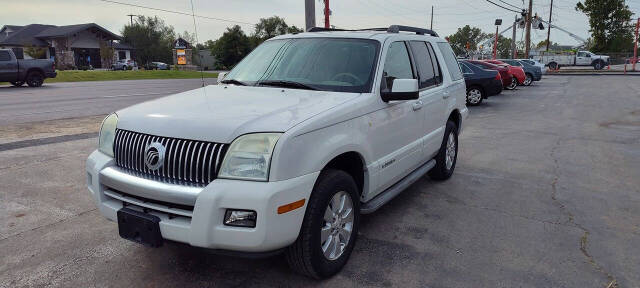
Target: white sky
449,15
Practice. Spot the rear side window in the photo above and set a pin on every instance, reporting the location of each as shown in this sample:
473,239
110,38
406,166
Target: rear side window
436,64
450,61
423,62
396,66
4,56
466,69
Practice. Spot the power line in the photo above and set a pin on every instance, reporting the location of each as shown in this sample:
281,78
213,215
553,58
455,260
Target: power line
514,6
175,12
509,9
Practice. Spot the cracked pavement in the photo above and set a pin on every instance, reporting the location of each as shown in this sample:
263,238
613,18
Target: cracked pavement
546,194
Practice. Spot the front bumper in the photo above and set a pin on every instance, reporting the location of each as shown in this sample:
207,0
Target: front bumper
197,216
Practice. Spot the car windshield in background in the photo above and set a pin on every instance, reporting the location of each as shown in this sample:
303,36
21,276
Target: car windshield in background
329,64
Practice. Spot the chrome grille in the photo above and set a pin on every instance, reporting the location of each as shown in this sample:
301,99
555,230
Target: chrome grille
185,161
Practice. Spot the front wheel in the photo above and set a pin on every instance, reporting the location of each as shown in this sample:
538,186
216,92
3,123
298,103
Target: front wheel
329,229
474,96
528,80
598,65
447,155
513,85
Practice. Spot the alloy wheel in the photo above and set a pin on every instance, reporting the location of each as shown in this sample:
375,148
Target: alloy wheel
474,96
338,224
527,81
450,153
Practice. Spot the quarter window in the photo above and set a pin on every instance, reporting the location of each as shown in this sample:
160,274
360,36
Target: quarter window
423,63
436,64
396,66
450,61
466,69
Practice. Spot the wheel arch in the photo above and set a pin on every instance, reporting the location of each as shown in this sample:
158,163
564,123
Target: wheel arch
354,164
456,117
34,69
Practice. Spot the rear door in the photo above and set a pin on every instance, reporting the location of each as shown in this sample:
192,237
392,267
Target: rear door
431,96
8,67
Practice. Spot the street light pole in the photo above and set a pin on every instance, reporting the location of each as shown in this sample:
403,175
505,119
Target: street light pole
327,12
495,43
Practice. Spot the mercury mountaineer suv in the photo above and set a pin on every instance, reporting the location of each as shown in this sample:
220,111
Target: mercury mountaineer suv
305,134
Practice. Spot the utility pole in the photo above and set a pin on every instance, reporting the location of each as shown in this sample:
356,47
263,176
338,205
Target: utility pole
527,39
131,16
635,46
431,27
549,30
327,13
513,39
309,14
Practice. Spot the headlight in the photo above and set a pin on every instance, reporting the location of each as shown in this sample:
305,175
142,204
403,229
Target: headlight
108,134
249,157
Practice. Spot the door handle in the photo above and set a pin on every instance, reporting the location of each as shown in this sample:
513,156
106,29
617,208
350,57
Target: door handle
445,94
417,105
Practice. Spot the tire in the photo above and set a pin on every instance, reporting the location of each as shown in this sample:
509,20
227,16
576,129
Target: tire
528,79
305,255
598,65
553,66
17,83
475,96
513,85
444,169
124,68
35,79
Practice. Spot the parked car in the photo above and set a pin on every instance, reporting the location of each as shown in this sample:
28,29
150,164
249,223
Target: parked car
580,58
508,81
481,83
20,71
517,72
124,64
532,73
535,63
157,66
289,150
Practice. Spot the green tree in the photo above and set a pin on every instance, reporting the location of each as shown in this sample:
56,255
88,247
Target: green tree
271,27
504,46
467,35
231,48
35,52
610,22
106,54
151,38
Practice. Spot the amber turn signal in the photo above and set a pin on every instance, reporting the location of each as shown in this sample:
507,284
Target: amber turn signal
290,207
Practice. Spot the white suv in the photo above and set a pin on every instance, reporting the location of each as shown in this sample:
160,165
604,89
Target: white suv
303,136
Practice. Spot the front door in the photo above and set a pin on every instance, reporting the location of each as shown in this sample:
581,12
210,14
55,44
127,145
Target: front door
583,58
397,128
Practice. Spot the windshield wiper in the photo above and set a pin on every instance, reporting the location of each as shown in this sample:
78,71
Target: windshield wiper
285,83
233,81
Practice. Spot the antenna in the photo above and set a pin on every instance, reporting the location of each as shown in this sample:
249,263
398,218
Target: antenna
195,29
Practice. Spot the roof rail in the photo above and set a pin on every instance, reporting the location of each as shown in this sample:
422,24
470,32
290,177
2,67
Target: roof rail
390,29
419,31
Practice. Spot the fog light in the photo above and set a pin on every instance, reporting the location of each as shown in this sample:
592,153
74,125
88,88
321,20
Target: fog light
240,218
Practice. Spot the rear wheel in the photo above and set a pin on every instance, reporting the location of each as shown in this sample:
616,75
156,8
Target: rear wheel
528,79
35,79
329,229
447,155
553,66
598,65
474,96
17,83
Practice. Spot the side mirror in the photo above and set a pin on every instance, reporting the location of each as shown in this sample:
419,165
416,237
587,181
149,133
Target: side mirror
221,76
403,89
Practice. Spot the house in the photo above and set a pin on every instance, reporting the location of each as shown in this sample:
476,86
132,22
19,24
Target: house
70,45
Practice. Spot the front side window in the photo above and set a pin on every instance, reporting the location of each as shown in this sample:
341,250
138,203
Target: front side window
450,60
423,63
4,56
329,64
396,66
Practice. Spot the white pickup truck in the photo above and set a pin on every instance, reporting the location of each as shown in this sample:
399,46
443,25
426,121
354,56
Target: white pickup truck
581,58
305,134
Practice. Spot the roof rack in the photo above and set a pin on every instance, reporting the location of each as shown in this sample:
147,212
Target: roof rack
390,29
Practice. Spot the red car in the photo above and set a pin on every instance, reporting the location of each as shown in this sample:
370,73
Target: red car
507,78
518,72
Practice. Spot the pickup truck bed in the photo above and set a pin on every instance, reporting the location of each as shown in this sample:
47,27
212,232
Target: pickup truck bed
19,71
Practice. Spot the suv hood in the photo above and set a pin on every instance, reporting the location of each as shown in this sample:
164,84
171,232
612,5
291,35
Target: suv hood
220,113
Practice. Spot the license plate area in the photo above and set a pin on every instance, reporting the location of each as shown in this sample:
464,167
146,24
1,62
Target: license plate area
139,227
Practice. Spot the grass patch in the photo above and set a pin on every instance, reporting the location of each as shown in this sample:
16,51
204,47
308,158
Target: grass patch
102,75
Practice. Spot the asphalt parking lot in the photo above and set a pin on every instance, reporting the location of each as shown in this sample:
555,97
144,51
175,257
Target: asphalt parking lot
546,194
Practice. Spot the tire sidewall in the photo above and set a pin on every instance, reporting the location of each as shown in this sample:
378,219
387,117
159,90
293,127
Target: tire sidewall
35,79
528,79
440,171
330,183
481,96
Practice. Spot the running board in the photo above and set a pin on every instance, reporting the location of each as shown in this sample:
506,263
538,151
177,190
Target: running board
393,191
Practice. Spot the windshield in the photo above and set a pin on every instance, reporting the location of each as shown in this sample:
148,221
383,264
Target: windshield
330,64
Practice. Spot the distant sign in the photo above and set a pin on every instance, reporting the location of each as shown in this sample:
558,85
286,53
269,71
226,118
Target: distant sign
182,57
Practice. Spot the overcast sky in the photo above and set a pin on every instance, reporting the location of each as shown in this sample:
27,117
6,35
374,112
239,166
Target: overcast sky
449,15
